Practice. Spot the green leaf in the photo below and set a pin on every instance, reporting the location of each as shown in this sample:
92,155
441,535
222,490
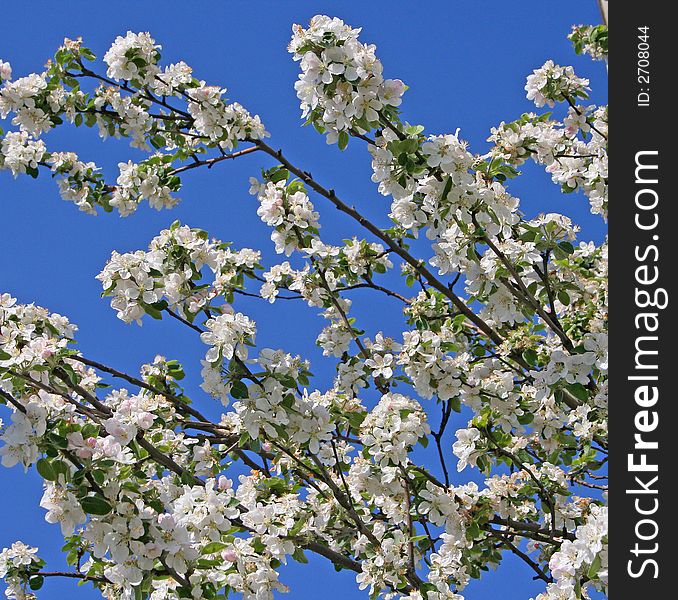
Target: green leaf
151,311
157,141
213,547
343,140
46,470
356,419
447,188
60,468
595,567
35,582
203,563
187,478
298,526
299,556
579,391
279,175
530,357
239,390
564,297
95,505
295,186
414,129
472,531
525,418
410,145
566,247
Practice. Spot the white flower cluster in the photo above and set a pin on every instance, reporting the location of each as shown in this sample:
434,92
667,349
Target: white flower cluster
571,368
172,79
137,182
274,412
132,539
446,565
354,263
573,163
434,187
133,118
62,507
22,438
291,214
443,508
124,533
383,351
169,272
590,40
26,97
31,336
588,550
465,447
335,338
429,365
228,335
392,428
389,562
77,180
20,153
5,71
127,277
281,275
552,83
133,58
253,575
219,122
15,562
18,555
40,101
341,86
131,414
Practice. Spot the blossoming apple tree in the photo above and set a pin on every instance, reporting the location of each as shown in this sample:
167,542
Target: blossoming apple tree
504,320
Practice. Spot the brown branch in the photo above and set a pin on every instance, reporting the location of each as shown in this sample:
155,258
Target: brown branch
210,162
438,436
530,527
13,401
72,575
533,565
167,461
139,383
337,558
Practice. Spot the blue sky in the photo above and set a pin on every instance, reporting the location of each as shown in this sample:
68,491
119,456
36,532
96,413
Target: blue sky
465,63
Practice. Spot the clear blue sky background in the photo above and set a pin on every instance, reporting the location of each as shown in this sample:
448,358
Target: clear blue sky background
465,63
